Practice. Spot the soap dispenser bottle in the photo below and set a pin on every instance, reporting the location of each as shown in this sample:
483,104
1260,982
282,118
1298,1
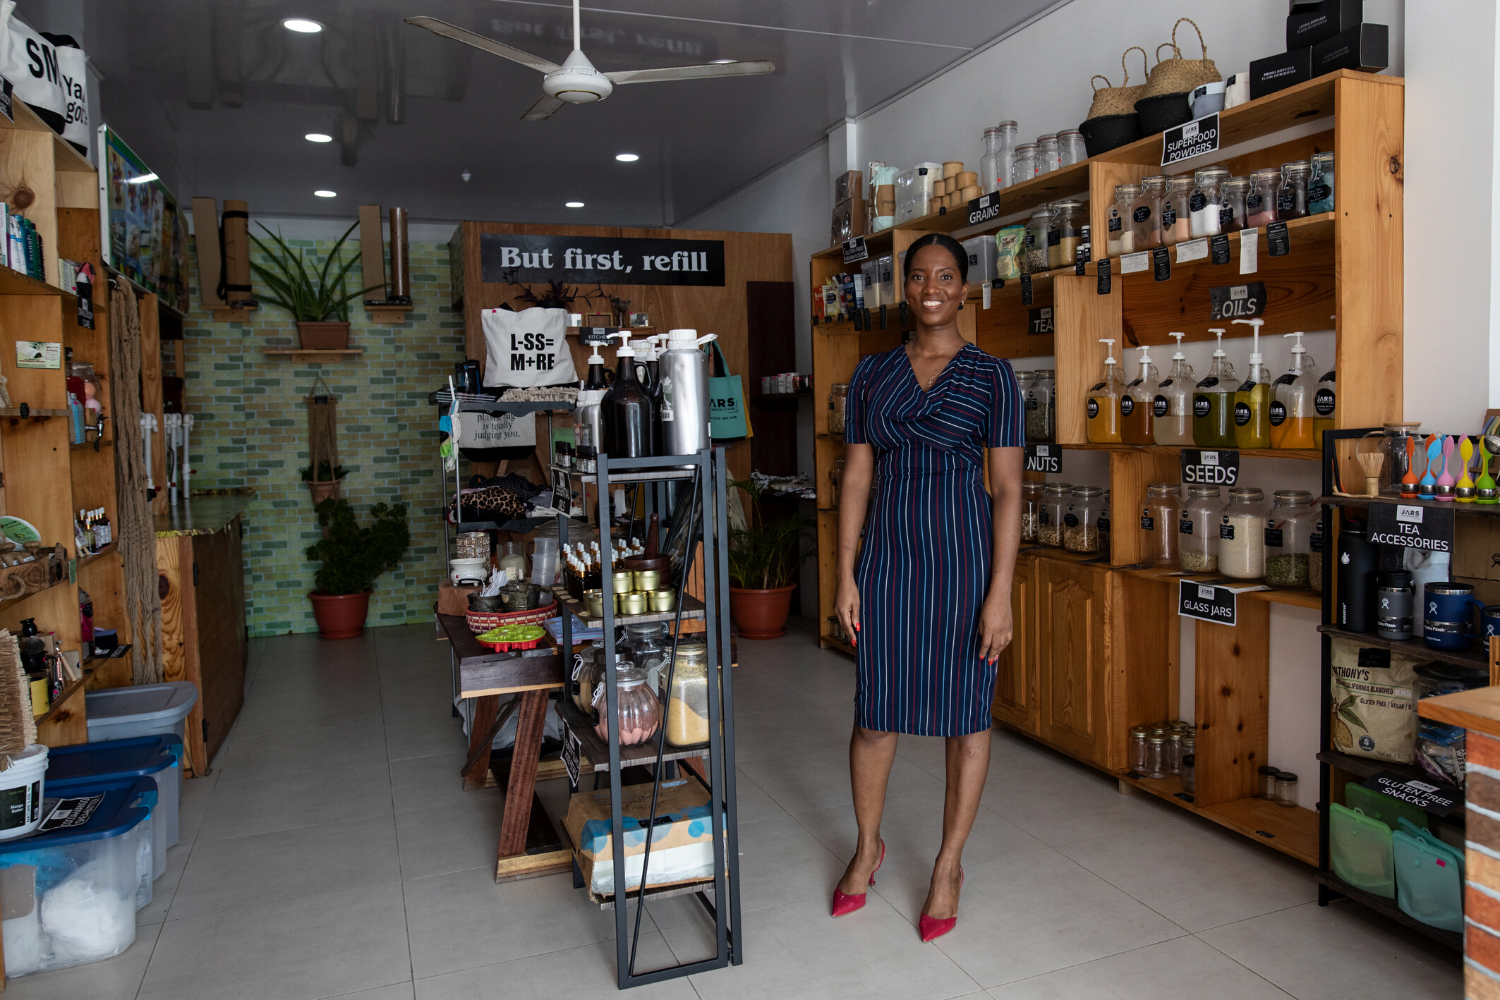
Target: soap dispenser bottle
587,429
1213,400
1252,400
1136,405
1172,409
626,412
1104,401
1291,415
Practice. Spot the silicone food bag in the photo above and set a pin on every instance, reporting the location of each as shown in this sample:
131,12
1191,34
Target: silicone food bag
1361,851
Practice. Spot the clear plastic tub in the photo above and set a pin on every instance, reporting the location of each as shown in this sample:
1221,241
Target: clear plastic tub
156,757
142,710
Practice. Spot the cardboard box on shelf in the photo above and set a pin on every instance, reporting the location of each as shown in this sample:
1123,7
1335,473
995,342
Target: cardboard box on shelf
682,847
1364,48
1314,23
452,599
848,186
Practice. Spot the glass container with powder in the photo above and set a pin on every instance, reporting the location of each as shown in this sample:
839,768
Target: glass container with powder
1175,213
1260,199
1242,535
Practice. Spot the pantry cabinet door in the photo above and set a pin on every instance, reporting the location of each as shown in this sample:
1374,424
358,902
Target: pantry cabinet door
1017,700
1070,655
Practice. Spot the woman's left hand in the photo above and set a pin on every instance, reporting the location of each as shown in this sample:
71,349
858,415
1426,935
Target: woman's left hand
996,627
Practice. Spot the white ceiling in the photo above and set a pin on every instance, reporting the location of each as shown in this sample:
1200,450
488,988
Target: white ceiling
171,87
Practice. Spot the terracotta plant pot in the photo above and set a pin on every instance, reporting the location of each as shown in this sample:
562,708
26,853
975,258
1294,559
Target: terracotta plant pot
324,490
323,336
761,614
340,616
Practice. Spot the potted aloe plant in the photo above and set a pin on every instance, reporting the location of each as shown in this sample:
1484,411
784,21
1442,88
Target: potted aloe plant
765,559
352,557
316,296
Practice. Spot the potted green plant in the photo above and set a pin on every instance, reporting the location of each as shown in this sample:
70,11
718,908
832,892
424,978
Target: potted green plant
765,559
317,297
326,483
352,557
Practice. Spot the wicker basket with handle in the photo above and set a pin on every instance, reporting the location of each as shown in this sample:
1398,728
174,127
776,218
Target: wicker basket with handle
1176,75
1109,100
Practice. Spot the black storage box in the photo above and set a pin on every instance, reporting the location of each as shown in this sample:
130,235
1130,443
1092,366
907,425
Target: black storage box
1365,48
1293,6
1317,23
1279,72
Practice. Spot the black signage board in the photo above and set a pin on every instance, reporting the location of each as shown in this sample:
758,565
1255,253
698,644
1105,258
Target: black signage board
1025,289
1210,467
1104,268
1278,239
526,258
984,208
572,747
1206,602
1044,458
85,305
5,100
1412,526
1237,301
1161,263
855,250
1218,248
1039,321
1438,799
1190,139
596,336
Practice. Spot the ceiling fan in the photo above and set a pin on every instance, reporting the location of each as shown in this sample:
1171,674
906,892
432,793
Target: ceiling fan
576,81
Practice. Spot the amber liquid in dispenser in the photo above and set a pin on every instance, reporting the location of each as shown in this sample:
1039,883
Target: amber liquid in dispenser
1103,407
1136,404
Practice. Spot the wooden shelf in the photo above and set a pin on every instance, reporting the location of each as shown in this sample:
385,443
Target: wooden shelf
60,702
1478,509
300,355
12,602
1477,656
85,560
226,315
1368,767
692,609
1292,831
595,751
1298,454
1388,907
834,642
32,413
389,315
16,283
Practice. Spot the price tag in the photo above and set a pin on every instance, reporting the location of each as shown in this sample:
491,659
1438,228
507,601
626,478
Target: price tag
984,209
1278,239
1440,800
1190,139
1412,526
1025,289
986,292
1237,301
1249,251
1206,466
1044,458
1133,262
1218,246
1161,263
85,305
1104,269
1192,250
572,748
1039,321
854,250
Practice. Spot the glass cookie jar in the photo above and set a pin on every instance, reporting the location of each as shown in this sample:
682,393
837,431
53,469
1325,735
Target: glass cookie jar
639,709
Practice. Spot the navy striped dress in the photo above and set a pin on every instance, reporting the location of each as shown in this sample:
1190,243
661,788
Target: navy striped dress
924,569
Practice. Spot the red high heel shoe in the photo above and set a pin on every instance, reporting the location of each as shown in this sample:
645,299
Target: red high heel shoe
930,927
844,902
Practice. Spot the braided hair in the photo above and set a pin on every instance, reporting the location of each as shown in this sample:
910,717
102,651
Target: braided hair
948,243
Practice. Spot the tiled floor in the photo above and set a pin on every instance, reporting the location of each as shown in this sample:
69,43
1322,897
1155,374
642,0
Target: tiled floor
333,854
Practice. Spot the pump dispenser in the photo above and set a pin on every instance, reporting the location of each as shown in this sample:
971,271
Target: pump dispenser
1135,405
1291,415
626,412
684,393
587,429
1172,409
1325,401
1213,400
1104,401
1252,400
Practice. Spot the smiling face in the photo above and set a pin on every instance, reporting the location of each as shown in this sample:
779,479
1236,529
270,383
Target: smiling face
934,287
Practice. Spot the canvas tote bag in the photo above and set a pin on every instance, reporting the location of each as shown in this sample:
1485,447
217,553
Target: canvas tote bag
729,418
527,348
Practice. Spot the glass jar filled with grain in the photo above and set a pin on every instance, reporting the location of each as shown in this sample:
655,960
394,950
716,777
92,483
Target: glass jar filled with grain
1242,534
1041,423
1159,523
1069,228
1049,525
1036,257
1175,212
1080,519
1031,509
1289,539
1198,530
838,398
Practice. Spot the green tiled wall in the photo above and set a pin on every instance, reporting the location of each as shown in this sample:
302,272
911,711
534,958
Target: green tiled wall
250,429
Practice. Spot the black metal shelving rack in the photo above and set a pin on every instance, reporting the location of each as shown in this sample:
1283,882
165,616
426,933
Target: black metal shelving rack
1330,886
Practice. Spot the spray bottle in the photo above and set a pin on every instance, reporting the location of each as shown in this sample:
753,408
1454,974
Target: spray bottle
1104,400
626,412
1136,404
1252,400
1213,400
1291,415
1172,409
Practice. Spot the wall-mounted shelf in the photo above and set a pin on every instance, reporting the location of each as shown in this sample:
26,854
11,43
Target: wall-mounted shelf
15,283
389,315
236,315
301,355
89,445
32,413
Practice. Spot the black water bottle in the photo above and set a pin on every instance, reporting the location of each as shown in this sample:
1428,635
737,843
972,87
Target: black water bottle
626,412
1358,560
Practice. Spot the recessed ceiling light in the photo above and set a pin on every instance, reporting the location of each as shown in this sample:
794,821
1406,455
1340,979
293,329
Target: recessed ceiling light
326,194
575,204
301,25
317,137
626,157
720,62
143,179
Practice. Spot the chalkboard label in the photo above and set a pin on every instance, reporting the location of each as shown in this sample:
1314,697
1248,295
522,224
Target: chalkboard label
1081,257
1044,458
855,250
1104,284
1039,321
1226,532
1412,526
1025,289
1195,138
85,305
1148,523
1218,248
1237,301
1161,263
984,208
1210,467
1440,800
1054,237
1277,238
1206,602
1141,214
572,748
1273,538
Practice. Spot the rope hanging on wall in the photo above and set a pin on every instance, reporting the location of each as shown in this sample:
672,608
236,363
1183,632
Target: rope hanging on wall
136,536
322,432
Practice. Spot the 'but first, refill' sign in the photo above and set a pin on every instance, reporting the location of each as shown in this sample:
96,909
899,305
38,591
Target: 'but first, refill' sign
606,260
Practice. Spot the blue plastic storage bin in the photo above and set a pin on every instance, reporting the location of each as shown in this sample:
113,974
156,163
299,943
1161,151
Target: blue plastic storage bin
74,890
155,757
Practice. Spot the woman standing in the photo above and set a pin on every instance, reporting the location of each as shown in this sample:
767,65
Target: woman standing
928,597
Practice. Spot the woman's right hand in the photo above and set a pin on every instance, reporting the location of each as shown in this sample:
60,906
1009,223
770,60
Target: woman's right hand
846,606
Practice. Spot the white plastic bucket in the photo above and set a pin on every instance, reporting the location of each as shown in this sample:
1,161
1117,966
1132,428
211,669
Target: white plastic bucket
21,792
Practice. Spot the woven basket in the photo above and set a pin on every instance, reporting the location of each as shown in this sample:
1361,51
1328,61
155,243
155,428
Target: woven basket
1117,100
1107,132
1177,75
483,621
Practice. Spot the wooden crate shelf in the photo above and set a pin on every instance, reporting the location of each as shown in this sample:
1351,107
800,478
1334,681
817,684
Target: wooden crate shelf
1292,831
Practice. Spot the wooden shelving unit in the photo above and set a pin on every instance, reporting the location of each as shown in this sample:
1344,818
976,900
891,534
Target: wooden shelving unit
300,355
1096,644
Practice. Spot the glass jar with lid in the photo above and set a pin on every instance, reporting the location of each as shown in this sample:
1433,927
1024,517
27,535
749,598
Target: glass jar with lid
1036,258
838,399
1175,213
1393,445
1267,782
638,707
1121,235
1041,424
1320,184
1203,203
1156,755
1174,752
988,168
1080,519
1070,226
584,680
687,701
1242,534
1260,199
647,645
1232,205
1031,510
1286,789
1291,197
1198,530
1159,523
1145,213
1289,539
1023,166
1136,748
1071,146
1049,525
1005,155
1048,155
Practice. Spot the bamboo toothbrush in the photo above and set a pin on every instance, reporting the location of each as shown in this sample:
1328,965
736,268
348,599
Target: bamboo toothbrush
1464,491
1445,481
1371,462
17,725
